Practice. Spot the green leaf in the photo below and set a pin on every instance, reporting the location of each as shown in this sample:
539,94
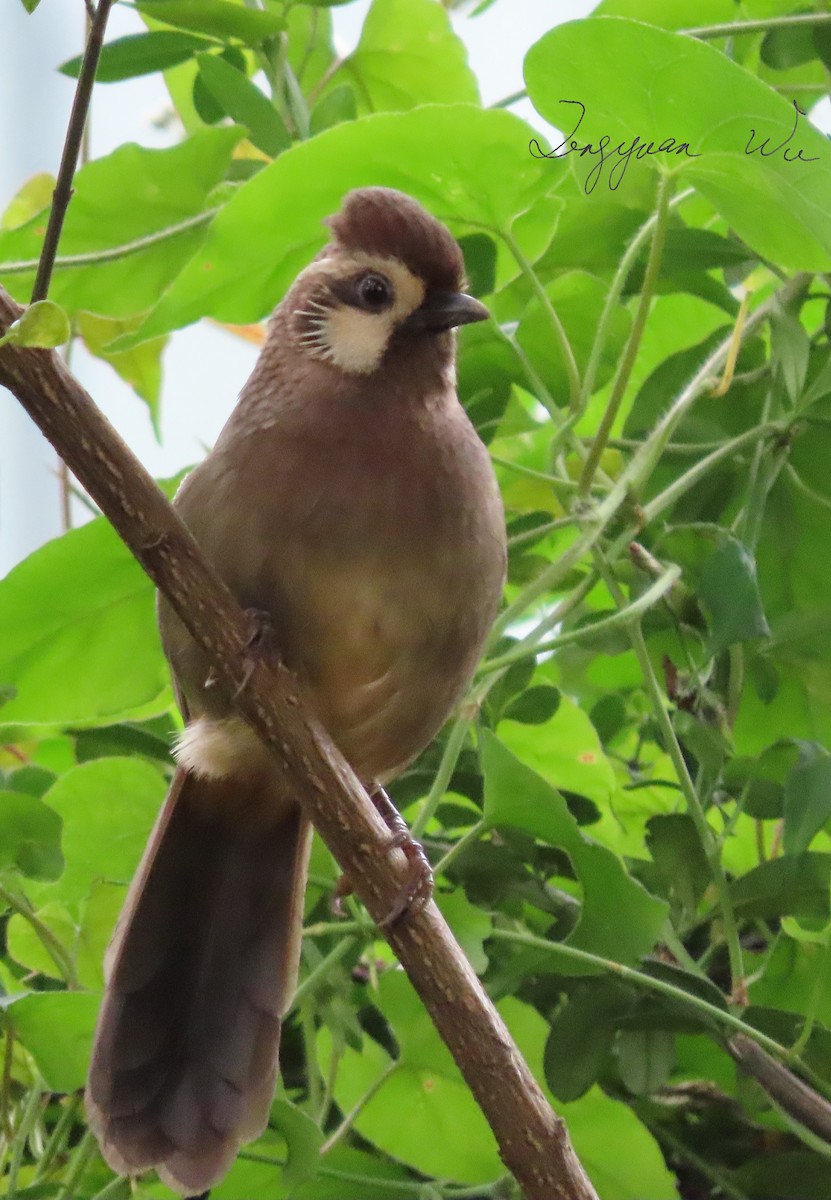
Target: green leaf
243,101
30,836
578,299
408,54
216,18
30,5
645,1059
681,14
791,347
784,48
44,325
807,798
534,706
426,1083
441,156
108,808
774,204
336,106
33,197
139,54
141,367
76,615
581,1036
25,946
795,885
119,200
676,849
56,1028
303,1140
470,925
518,797
729,588
568,754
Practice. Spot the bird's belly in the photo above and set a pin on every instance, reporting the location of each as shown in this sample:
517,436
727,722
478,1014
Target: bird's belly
384,662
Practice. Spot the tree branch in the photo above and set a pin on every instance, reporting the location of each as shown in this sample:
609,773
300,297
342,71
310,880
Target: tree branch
72,147
533,1141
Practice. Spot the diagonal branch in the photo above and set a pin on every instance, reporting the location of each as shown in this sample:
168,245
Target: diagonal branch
533,1142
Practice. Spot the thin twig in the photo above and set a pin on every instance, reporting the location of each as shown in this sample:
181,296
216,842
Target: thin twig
72,147
761,26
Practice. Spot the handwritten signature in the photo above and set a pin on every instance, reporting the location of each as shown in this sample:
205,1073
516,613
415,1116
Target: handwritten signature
604,151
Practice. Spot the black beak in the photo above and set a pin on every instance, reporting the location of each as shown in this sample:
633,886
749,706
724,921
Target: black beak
445,310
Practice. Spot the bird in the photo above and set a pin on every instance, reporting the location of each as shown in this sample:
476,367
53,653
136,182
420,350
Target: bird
350,505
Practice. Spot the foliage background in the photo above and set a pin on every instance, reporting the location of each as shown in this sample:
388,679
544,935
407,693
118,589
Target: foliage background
630,834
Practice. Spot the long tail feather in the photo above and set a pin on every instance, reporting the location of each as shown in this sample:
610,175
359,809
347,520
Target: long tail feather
202,966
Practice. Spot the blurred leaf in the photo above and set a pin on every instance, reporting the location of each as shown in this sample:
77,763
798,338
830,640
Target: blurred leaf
408,54
25,946
807,798
69,613
30,836
216,18
676,848
796,885
336,106
790,347
141,367
517,796
729,588
480,253
578,300
581,1036
471,927
645,1058
108,808
425,1082
33,197
788,47
534,706
303,1140
243,101
139,54
56,1028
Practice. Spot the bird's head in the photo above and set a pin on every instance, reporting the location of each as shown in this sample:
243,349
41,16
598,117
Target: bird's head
391,276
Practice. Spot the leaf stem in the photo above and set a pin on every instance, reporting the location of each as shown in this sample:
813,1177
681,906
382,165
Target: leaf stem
709,842
450,756
617,620
58,1137
21,1136
72,147
318,973
615,291
77,1164
114,253
473,834
762,25
569,361
666,183
56,951
352,1116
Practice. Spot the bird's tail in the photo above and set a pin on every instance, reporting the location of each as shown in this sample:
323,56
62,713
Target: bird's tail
202,966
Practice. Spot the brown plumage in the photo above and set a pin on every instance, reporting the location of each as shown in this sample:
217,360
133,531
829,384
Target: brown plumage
350,499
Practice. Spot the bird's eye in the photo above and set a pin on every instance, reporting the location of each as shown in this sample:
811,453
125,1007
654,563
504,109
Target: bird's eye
374,292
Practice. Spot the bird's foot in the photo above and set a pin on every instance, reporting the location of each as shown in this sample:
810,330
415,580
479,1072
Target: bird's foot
261,645
417,889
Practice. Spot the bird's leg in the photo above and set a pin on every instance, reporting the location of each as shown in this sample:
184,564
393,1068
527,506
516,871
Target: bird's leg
417,889
260,646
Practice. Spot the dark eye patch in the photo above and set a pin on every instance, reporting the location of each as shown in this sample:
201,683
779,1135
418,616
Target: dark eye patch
370,291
